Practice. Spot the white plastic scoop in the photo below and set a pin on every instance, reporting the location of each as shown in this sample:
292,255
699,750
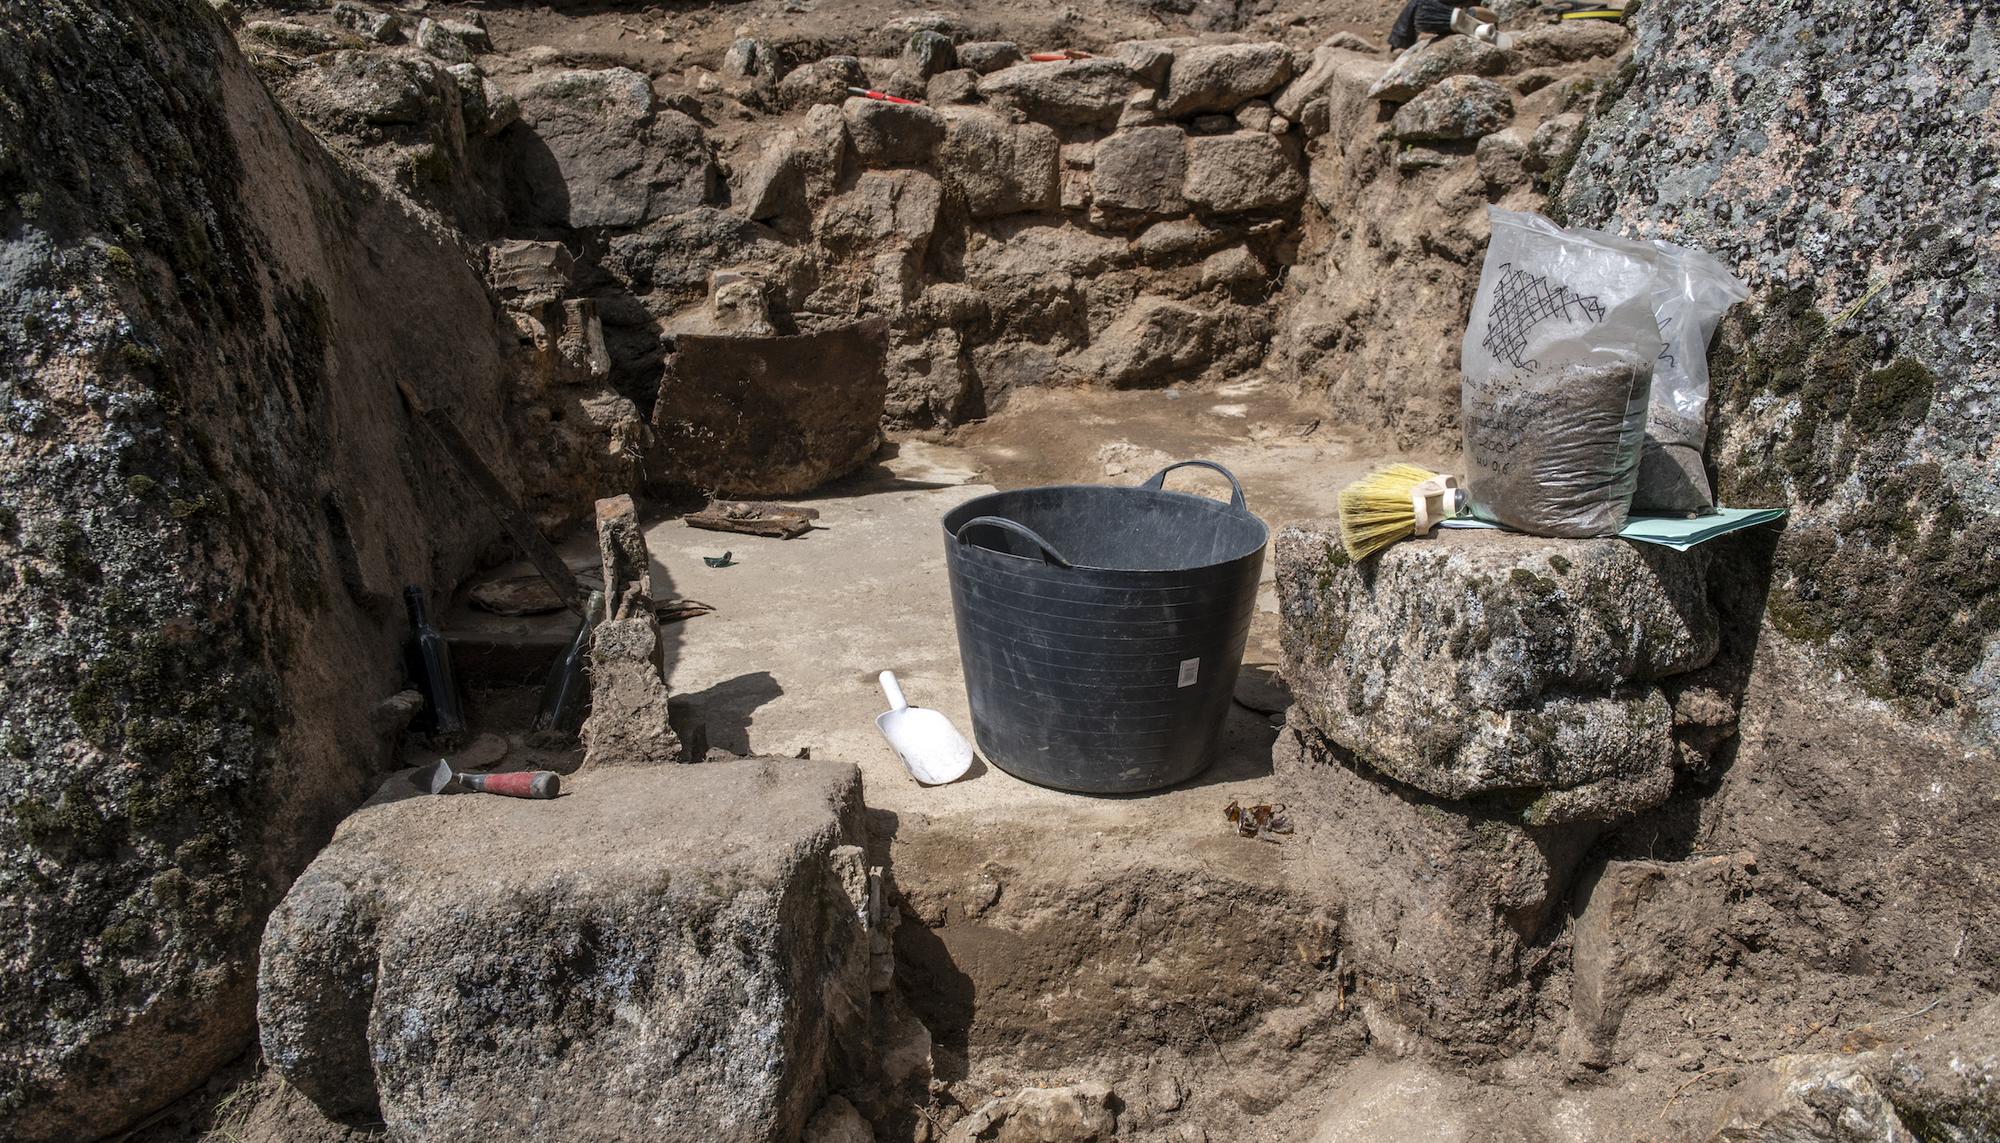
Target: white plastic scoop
930,745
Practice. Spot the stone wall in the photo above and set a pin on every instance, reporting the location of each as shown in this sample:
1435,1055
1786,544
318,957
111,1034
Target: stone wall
1119,220
210,499
1841,157
1394,227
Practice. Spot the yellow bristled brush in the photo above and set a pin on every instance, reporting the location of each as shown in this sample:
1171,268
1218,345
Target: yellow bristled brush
1394,502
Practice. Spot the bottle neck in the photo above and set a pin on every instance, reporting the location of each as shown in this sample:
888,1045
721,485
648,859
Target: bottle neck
413,598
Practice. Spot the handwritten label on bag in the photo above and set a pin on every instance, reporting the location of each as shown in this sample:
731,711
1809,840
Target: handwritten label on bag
1190,668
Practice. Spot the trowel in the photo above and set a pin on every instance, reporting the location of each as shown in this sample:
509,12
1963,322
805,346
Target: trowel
442,779
929,744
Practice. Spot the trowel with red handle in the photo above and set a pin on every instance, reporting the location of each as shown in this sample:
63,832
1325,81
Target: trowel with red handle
442,779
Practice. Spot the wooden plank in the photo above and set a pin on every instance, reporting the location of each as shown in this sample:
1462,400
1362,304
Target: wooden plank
444,432
754,518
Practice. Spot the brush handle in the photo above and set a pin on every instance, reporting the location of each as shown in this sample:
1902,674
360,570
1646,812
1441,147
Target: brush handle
1434,501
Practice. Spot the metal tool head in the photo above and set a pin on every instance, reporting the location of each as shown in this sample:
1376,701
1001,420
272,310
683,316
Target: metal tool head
438,779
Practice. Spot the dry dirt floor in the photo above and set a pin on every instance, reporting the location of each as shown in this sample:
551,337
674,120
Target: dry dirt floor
1053,937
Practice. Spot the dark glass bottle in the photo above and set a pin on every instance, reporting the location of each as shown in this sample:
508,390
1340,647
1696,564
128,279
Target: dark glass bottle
566,694
430,667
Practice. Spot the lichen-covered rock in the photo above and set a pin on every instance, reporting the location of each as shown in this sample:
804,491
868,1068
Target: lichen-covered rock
927,53
348,90
1480,663
1422,67
597,152
672,257
748,59
452,41
205,467
1946,1084
368,23
1217,77
484,106
1241,172
1140,170
1875,428
1456,107
298,39
1063,93
466,966
1000,167
892,134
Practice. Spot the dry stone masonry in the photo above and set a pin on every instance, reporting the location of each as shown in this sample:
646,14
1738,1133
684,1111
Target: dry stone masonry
1509,669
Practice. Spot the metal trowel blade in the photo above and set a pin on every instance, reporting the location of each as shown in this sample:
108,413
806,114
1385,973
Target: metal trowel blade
438,779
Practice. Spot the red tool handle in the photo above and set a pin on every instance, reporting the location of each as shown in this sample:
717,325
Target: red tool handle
870,93
1065,54
523,784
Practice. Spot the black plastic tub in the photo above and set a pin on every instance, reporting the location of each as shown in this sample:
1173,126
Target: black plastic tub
1101,627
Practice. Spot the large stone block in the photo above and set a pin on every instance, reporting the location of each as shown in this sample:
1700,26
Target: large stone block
1246,171
899,207
597,152
1447,913
666,953
1482,663
1422,67
770,416
821,81
1140,170
892,134
1065,93
1217,77
1156,339
1456,108
798,168
1000,167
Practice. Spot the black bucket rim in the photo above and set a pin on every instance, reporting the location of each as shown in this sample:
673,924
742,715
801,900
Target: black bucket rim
1236,508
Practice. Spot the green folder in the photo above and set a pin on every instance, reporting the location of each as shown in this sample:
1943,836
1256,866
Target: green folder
1670,531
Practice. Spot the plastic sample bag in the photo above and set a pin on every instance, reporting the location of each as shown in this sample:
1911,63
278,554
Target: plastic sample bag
1557,365
1692,292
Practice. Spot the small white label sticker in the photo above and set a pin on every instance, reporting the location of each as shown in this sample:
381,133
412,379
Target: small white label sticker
1189,669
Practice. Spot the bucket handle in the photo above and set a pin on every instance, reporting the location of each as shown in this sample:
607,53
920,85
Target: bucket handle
1235,489
1049,554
